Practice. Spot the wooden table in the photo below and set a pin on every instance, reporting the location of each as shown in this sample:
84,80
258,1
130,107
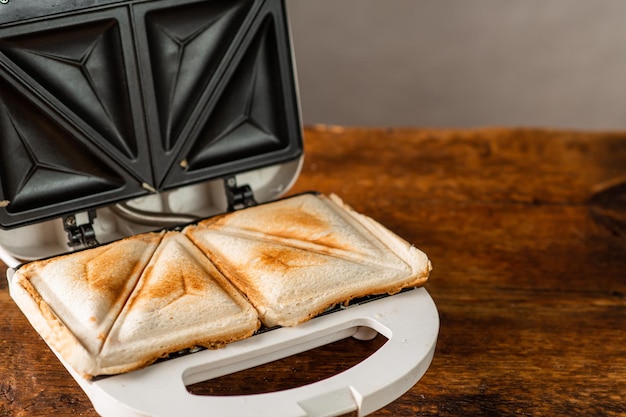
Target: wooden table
526,230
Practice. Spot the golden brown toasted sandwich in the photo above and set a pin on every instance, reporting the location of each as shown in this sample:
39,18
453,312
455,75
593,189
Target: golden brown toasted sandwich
121,306
296,257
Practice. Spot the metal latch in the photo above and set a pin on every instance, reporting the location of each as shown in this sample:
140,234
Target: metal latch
238,196
79,228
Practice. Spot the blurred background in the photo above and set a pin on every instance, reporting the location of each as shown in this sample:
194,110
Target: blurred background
459,63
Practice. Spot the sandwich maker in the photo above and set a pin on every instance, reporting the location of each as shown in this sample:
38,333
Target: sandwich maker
119,117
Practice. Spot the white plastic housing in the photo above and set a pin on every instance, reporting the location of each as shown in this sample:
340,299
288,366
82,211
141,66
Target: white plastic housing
409,320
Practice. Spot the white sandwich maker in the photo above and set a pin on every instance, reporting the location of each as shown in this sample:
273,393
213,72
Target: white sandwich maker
119,117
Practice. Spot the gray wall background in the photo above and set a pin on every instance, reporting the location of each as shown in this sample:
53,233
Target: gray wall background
462,63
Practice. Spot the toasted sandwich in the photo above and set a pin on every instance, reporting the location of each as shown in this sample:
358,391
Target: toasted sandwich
296,257
121,306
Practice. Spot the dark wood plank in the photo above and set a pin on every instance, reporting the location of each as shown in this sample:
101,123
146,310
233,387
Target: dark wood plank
526,229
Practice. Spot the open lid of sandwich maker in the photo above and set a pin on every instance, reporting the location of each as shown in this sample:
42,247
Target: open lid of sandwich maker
105,101
117,116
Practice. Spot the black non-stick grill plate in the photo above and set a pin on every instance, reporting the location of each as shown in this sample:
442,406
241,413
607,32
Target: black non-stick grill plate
110,100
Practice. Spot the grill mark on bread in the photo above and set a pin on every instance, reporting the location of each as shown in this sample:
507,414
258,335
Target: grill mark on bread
299,224
282,259
314,223
135,270
190,280
306,246
295,223
110,285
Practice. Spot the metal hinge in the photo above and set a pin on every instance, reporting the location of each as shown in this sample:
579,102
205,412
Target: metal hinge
79,228
238,196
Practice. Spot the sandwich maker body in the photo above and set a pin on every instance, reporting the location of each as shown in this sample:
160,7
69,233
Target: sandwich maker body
118,117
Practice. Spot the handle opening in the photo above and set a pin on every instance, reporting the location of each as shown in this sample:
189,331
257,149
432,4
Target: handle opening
279,374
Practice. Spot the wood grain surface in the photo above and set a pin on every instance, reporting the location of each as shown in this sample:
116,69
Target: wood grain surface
526,229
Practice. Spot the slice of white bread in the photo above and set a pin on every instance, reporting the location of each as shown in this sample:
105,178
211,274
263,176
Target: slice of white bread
121,306
296,257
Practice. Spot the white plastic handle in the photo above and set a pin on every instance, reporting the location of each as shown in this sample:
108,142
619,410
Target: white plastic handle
409,320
